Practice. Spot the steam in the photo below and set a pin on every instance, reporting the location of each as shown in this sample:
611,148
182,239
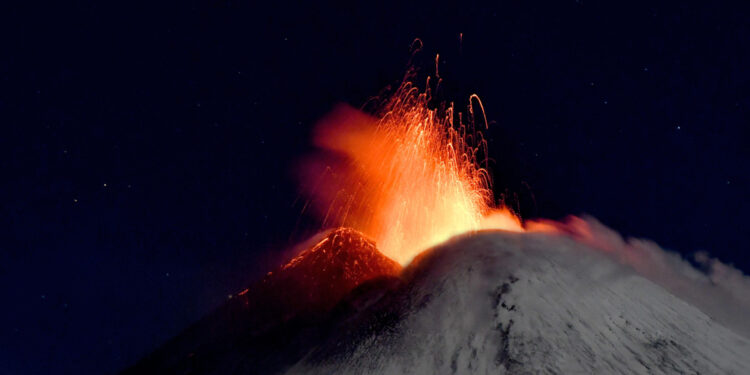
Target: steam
718,289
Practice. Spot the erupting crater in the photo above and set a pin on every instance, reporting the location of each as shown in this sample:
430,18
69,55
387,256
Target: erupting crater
320,276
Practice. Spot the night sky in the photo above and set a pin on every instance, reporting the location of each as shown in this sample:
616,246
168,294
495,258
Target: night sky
148,151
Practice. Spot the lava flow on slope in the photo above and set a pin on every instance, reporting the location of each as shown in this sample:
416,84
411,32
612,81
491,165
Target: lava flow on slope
268,326
320,276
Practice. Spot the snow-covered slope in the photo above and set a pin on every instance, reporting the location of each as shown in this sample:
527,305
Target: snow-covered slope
523,303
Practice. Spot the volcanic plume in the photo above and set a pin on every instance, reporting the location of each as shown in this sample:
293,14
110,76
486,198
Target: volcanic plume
410,176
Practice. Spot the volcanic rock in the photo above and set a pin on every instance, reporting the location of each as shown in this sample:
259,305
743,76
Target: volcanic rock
267,325
320,276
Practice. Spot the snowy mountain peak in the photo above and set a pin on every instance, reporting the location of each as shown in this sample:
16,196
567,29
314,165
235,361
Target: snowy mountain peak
502,303
491,302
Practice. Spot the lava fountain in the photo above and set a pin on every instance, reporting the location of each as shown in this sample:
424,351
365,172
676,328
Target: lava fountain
409,176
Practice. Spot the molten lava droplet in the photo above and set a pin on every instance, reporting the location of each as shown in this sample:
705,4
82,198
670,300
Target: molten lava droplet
408,176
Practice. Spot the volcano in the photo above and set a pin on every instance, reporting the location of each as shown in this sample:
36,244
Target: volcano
489,302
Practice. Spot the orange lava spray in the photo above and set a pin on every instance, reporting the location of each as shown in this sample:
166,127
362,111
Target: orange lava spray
408,176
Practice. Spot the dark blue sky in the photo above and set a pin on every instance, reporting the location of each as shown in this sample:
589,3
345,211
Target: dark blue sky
148,150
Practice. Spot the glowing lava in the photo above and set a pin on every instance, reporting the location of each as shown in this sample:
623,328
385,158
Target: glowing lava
409,176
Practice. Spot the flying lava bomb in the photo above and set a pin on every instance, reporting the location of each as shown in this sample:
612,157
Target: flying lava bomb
422,271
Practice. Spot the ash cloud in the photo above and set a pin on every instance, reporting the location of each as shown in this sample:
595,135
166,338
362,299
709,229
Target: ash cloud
718,289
